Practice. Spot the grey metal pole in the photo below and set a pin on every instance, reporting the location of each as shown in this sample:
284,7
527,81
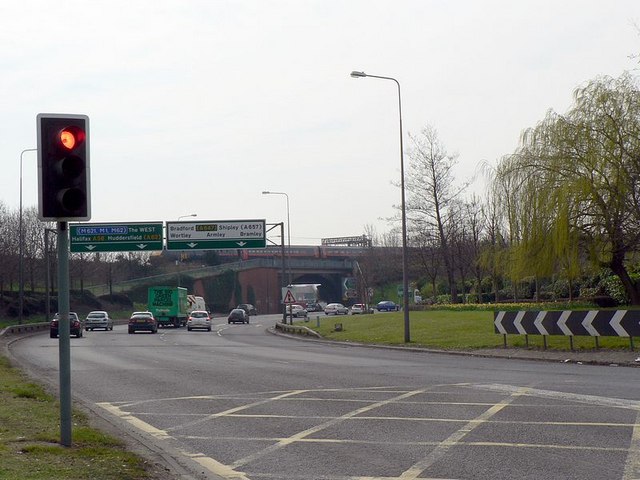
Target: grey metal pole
289,241
405,262
284,273
21,242
64,350
288,229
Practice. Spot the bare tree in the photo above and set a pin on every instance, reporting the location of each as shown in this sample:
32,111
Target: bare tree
475,222
9,247
431,194
33,249
429,258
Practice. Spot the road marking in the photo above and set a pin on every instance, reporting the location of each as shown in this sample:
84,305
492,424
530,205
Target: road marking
215,467
425,443
134,421
632,465
576,397
305,433
236,409
400,396
443,447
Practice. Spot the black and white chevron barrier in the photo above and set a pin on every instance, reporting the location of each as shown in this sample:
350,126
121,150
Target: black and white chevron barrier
594,323
570,323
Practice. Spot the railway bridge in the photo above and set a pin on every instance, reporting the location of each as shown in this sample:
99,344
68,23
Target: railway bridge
261,274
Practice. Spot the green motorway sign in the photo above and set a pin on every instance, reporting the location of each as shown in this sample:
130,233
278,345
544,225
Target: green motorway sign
216,235
115,237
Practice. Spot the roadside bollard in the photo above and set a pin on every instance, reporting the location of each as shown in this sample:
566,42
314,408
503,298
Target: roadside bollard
318,321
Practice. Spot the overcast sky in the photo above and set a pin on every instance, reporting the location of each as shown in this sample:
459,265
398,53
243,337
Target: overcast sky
199,106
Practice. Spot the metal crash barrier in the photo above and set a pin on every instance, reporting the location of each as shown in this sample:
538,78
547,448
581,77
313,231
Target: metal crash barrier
570,323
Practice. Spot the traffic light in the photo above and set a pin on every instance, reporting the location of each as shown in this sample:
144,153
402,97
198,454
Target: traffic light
63,167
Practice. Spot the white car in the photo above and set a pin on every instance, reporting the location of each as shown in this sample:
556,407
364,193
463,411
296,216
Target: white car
296,310
98,319
336,309
358,308
199,319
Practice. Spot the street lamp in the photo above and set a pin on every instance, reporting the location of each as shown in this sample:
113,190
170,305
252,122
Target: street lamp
21,240
405,269
288,229
190,215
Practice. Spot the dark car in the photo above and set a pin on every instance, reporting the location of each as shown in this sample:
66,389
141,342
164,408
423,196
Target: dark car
238,315
75,326
314,307
247,307
387,306
144,321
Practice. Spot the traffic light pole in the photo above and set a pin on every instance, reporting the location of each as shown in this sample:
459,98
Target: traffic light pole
64,194
64,347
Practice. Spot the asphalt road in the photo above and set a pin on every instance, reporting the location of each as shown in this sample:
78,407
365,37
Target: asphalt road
240,403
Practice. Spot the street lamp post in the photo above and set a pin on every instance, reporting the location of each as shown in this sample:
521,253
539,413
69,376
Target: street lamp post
288,230
185,216
21,240
405,268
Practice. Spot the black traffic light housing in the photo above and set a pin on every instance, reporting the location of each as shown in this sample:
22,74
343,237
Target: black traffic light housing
64,191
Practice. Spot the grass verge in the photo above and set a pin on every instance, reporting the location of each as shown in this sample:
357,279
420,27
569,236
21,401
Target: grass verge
30,436
443,329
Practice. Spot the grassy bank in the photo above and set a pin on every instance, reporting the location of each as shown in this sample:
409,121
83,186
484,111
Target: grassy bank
30,435
442,329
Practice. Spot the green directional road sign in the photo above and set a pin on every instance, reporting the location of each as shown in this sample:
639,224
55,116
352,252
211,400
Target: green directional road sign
216,234
115,237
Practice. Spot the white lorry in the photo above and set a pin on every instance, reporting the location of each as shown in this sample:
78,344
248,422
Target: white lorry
196,303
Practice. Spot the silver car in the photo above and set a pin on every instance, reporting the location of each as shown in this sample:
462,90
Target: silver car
199,319
98,319
336,309
296,311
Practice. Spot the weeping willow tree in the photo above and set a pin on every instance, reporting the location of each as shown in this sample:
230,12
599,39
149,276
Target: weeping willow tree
575,185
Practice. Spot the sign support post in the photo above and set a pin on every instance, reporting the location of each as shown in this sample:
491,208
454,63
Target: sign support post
288,300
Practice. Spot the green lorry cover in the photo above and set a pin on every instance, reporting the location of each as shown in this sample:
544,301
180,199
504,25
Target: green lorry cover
168,302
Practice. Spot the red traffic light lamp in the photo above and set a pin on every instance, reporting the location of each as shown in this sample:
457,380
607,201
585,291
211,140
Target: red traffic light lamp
63,167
